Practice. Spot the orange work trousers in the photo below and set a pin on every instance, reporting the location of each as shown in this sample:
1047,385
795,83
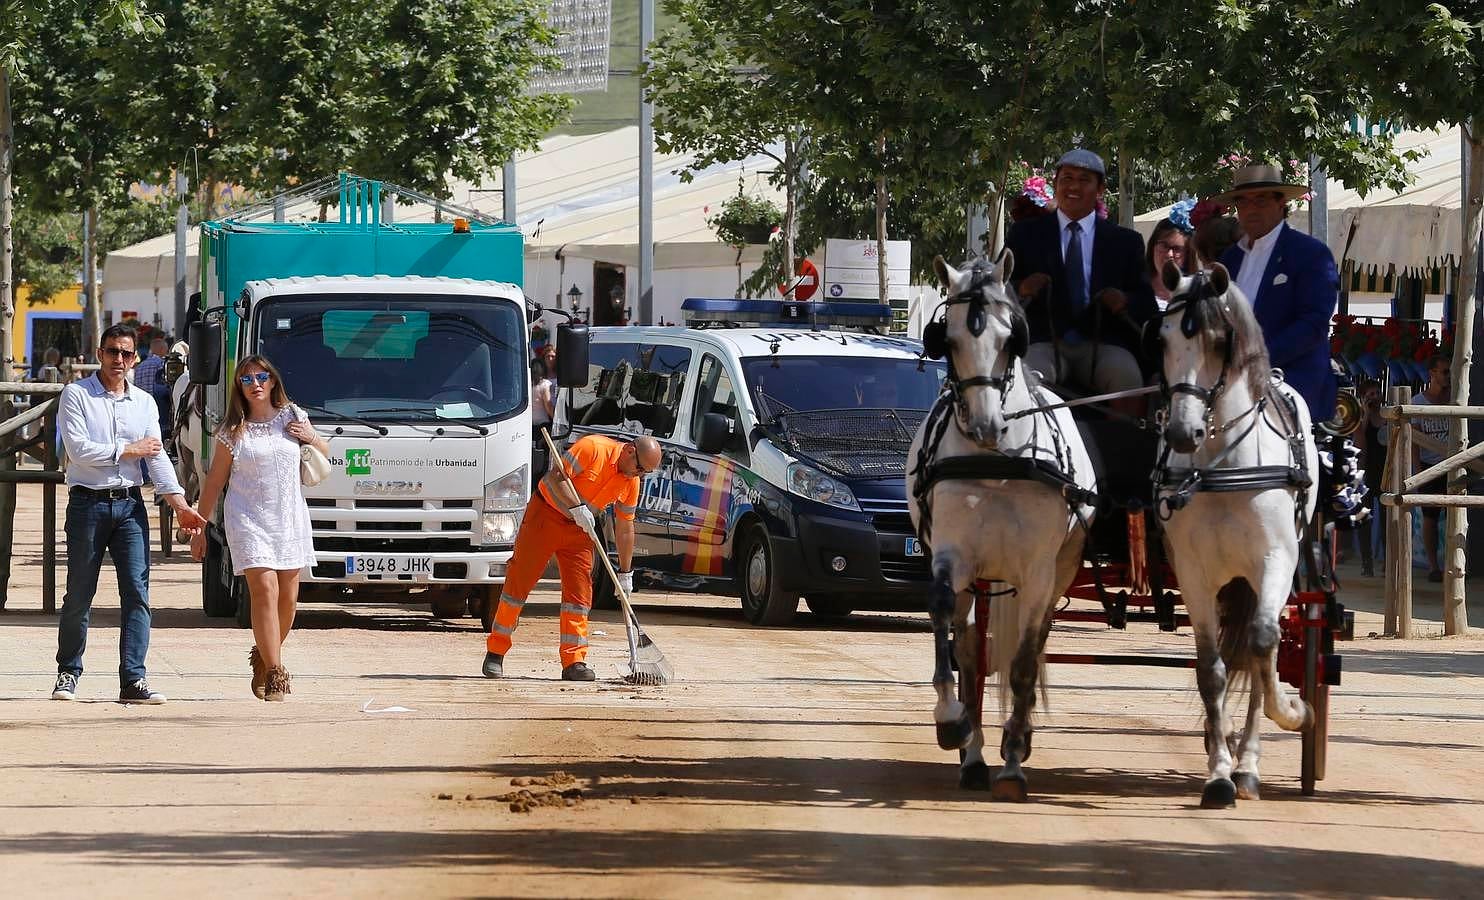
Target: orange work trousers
543,532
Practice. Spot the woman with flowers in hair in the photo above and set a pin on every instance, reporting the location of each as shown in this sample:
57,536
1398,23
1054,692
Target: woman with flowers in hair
1170,242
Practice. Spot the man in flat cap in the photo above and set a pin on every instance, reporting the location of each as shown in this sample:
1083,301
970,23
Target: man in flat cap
1082,281
1291,281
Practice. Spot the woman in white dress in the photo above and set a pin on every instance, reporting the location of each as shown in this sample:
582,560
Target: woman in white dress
266,518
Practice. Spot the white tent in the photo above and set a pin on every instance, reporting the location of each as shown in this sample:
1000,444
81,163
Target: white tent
577,202
140,279
1415,229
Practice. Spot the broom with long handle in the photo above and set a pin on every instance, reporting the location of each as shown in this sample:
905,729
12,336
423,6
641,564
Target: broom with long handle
647,665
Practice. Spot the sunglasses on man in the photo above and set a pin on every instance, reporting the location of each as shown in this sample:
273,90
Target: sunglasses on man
259,377
118,352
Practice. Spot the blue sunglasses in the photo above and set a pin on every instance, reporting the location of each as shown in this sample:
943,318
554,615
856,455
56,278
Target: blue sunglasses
259,377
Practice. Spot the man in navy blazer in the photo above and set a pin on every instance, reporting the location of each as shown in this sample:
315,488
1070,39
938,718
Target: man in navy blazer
1291,281
1082,281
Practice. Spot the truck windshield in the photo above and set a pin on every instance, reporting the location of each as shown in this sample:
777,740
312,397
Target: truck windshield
796,384
398,357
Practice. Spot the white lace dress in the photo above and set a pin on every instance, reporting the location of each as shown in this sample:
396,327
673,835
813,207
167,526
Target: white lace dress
265,514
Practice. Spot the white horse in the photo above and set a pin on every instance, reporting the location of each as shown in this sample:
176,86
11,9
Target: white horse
1237,479
999,489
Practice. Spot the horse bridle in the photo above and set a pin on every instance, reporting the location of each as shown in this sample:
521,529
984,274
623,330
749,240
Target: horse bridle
1190,325
935,340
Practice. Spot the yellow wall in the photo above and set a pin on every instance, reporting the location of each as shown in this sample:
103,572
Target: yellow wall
69,301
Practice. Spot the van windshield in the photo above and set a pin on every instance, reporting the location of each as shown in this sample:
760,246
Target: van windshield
398,358
783,385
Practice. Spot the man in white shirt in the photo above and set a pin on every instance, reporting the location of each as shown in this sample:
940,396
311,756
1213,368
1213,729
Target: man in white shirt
1291,281
108,426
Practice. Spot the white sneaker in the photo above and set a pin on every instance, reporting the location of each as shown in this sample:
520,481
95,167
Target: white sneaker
66,687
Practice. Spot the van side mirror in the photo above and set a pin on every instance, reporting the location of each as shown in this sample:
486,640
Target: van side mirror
571,346
205,357
716,433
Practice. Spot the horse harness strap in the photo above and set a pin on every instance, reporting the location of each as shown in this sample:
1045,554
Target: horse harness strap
1005,468
1253,478
1184,483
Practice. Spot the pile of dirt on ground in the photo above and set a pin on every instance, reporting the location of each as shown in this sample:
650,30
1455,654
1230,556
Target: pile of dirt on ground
558,789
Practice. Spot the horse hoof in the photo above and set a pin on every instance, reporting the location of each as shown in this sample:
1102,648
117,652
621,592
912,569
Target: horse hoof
1219,793
955,735
1247,786
1025,751
974,777
1008,788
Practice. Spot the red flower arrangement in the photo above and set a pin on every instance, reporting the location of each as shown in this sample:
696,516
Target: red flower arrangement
1392,339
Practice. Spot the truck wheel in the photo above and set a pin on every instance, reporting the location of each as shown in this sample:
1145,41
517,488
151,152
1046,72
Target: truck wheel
243,600
764,602
482,606
449,607
829,607
217,600
605,593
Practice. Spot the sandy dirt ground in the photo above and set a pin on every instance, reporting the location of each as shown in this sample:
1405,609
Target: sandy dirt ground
795,761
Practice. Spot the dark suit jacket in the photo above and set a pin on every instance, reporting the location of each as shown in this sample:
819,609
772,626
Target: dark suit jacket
1294,305
1117,262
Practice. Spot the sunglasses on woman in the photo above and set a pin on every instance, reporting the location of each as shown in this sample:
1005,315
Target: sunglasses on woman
259,377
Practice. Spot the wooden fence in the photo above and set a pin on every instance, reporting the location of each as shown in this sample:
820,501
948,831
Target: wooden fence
1398,497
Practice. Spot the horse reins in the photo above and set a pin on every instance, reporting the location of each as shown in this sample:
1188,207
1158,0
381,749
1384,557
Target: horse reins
1182,484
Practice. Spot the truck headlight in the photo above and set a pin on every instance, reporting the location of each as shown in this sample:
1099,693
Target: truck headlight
499,528
504,501
807,481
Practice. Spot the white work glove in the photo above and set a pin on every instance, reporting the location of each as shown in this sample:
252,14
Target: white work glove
626,581
584,519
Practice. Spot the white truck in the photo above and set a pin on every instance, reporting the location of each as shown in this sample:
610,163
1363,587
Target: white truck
416,372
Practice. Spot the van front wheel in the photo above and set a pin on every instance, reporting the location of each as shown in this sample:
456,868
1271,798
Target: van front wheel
764,602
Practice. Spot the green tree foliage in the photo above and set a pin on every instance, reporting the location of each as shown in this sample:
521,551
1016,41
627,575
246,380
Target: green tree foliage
962,91
268,93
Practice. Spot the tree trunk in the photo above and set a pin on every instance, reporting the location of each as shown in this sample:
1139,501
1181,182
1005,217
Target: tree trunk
881,267
1125,188
994,234
92,303
790,203
7,288
7,327
1455,546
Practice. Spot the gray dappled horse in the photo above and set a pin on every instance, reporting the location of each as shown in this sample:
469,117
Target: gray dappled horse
999,490
1236,479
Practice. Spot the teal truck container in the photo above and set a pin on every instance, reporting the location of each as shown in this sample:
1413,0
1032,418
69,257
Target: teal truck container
407,346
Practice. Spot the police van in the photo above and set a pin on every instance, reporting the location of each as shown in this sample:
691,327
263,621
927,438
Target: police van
785,429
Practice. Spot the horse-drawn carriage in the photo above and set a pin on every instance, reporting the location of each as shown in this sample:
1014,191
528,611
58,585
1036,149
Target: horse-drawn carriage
1085,507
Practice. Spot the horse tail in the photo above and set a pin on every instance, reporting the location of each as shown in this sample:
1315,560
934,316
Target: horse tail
1005,639
1237,603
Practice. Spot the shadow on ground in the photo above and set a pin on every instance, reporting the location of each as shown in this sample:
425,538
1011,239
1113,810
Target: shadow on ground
793,857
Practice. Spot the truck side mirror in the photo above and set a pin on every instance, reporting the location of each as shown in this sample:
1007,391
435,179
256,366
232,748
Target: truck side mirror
205,357
716,433
572,345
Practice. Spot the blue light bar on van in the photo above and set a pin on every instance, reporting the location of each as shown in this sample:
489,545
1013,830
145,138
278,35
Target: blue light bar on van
699,311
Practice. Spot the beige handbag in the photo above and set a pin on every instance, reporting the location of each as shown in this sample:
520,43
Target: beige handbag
313,466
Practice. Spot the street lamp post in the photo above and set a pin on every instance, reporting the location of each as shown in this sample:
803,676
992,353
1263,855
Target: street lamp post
575,296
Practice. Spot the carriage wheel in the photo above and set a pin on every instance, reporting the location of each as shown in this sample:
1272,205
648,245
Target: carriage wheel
971,694
167,529
1312,760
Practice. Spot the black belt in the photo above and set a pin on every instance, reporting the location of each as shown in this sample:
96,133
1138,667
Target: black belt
118,493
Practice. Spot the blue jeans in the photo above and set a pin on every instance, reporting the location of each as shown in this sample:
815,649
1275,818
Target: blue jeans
96,524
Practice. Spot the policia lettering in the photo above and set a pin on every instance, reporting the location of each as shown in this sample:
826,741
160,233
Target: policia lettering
603,471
